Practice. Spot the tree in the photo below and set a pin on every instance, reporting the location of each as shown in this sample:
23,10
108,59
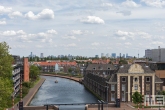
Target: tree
137,98
34,72
70,70
6,82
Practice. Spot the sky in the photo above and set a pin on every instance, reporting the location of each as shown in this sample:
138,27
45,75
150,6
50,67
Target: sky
82,27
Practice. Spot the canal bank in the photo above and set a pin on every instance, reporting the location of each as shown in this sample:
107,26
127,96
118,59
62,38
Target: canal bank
26,100
67,77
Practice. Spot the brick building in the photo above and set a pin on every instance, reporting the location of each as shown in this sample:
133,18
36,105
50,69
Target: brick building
122,82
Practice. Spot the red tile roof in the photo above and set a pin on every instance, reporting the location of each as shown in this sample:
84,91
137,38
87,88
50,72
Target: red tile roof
54,63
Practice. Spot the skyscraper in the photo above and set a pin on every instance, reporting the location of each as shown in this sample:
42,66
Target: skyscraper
42,55
113,55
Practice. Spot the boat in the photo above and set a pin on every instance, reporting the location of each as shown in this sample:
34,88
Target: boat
56,81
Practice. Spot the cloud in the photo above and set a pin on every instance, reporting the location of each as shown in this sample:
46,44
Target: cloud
107,4
39,46
137,34
78,32
157,43
44,14
123,34
52,31
92,20
130,4
4,10
2,22
22,36
69,37
125,13
154,3
15,14
95,44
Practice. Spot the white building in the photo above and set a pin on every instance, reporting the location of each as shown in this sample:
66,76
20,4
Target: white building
102,55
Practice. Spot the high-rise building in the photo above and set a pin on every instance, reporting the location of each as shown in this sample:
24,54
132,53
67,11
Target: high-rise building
113,55
42,55
123,55
102,55
148,53
96,56
158,55
107,55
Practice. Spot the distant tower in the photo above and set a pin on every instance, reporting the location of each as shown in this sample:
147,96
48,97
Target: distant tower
138,53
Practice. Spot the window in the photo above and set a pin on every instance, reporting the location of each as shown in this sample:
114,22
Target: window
147,87
123,87
123,79
158,87
108,68
112,87
112,96
94,68
147,79
136,79
135,87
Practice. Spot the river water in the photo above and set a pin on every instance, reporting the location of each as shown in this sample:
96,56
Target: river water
64,92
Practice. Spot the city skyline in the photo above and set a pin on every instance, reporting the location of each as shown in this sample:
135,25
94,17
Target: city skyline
85,28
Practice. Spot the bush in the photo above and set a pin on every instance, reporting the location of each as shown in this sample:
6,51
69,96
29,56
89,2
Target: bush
27,84
25,90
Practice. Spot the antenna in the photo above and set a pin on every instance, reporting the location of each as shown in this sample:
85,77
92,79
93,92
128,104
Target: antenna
138,53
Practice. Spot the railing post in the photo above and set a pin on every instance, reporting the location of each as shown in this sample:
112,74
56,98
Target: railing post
99,104
102,108
46,107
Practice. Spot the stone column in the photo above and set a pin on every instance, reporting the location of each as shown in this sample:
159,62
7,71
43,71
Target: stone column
129,88
118,86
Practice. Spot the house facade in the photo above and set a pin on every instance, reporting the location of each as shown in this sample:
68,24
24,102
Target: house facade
96,77
132,78
123,82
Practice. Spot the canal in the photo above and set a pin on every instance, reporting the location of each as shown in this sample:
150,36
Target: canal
64,92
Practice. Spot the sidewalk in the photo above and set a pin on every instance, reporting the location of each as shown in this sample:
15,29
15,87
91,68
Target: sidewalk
30,95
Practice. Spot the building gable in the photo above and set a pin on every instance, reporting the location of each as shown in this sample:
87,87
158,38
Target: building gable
135,68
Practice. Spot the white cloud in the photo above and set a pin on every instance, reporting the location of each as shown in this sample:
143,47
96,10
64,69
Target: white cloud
52,31
144,35
78,32
137,34
125,13
107,4
130,3
157,43
2,22
69,37
44,14
9,33
123,34
95,44
92,20
15,14
154,3
5,9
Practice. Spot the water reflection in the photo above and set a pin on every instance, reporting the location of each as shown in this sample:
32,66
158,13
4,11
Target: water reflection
64,92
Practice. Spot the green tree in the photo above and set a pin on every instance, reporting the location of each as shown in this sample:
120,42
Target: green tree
6,82
34,72
137,98
70,70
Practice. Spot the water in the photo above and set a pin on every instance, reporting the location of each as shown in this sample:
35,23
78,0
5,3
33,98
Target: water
64,92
